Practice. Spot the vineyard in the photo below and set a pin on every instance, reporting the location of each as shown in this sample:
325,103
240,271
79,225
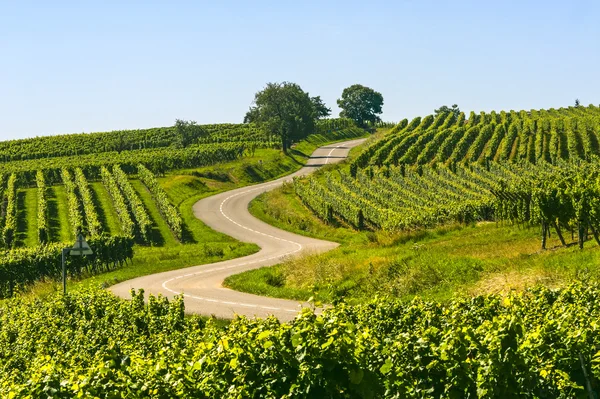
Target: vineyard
130,140
108,186
536,168
539,344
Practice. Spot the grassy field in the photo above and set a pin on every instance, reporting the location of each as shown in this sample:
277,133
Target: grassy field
30,234
59,220
184,187
437,263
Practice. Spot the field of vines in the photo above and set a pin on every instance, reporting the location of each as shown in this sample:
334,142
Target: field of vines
129,140
74,163
535,168
538,344
122,166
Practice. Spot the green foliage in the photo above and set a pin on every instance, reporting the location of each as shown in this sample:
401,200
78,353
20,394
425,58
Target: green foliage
119,203
549,136
286,111
42,208
321,110
445,110
398,198
73,203
23,266
94,226
565,197
169,212
157,160
71,145
540,343
10,218
143,221
361,104
402,198
422,173
187,131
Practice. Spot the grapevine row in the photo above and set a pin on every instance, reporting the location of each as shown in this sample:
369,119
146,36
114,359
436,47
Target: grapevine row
93,222
132,140
24,266
168,211
562,197
10,219
127,225
73,204
144,223
534,136
158,160
42,209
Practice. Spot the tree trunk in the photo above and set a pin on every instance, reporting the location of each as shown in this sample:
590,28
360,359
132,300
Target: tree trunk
587,232
559,234
284,144
544,234
594,232
580,232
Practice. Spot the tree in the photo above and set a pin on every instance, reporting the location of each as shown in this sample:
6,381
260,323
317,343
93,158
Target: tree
577,103
285,110
444,109
321,109
187,131
361,104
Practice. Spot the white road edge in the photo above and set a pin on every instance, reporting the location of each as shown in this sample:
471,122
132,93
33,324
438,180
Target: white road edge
228,213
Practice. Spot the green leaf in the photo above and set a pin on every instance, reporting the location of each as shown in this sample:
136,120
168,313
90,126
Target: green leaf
267,344
387,366
326,344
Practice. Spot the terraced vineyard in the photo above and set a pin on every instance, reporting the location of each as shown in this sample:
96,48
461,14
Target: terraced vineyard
537,167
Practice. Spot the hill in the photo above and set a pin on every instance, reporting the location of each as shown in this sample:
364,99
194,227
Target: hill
459,226
132,199
536,167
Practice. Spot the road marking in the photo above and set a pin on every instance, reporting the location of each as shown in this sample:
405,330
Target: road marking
298,245
330,152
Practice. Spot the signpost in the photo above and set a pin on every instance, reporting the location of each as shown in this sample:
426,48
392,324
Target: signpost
80,248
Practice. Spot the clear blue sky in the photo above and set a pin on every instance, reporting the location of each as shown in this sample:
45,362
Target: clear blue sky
79,66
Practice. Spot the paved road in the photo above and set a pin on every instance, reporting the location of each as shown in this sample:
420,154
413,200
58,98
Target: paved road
228,213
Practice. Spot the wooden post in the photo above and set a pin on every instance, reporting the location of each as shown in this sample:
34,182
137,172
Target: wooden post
559,234
544,234
594,232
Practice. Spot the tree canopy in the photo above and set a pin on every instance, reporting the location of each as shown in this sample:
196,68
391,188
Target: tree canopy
286,111
320,108
444,109
187,131
361,104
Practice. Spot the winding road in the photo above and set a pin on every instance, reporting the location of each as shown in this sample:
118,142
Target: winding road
228,213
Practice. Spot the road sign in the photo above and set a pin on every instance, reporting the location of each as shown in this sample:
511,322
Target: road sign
81,247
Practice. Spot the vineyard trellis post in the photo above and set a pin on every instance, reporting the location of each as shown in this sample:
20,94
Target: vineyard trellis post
80,248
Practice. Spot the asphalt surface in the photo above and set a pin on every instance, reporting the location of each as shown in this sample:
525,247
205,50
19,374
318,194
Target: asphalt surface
228,213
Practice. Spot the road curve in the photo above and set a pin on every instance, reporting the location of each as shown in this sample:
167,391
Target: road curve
228,213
